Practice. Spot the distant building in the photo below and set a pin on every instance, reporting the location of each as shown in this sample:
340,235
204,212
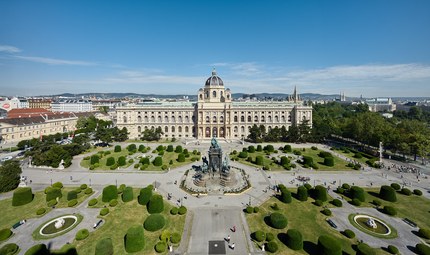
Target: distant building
80,105
39,103
110,104
9,104
215,114
27,112
381,105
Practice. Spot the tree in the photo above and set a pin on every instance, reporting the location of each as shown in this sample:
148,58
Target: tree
119,135
153,134
103,134
10,173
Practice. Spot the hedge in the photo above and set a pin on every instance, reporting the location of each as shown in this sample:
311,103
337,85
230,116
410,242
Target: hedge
182,210
348,233
181,157
82,234
328,245
406,191
144,195
134,239
52,203
38,249
104,247
127,194
88,191
83,186
154,222
178,149
286,196
377,202
395,186
109,192
53,193
340,190
92,202
356,202
243,154
326,212
424,233
270,237
256,209
392,249
308,186
249,209
122,161
320,193
358,193
329,161
174,211
110,161
302,193
95,159
336,202
113,203
104,211
418,192
155,204
132,147
158,161
389,210
422,249
259,236
57,185
22,196
117,148
160,247
365,249
278,220
9,249
5,234
72,203
307,160
72,195
259,160
175,238
40,211
346,186
388,193
294,239
318,202
272,247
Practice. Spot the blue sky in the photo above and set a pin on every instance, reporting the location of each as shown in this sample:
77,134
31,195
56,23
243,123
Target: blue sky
369,48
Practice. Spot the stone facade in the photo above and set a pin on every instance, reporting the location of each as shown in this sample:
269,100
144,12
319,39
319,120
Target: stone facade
215,114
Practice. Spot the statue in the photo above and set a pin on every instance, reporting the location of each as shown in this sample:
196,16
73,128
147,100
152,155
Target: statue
59,223
371,223
214,143
215,156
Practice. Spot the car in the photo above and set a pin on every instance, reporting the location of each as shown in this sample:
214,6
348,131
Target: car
331,223
6,158
101,144
97,224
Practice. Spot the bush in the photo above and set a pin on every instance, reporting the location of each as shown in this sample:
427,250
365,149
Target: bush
320,193
72,202
388,193
243,154
418,192
249,209
57,185
358,193
40,211
278,220
154,222
422,249
104,211
395,186
174,211
259,236
308,160
326,212
272,247
9,249
424,233
336,202
356,202
302,193
134,240
175,238
121,188
94,159
178,149
122,161
328,245
53,193
52,203
275,206
160,247
110,161
346,186
259,160
256,209
109,192
158,161
251,149
182,210
72,195
104,246
38,249
377,202
181,157
117,148
329,161
127,194
389,210
318,202
82,234
286,196
83,186
144,195
270,237
22,196
348,233
294,239
5,234
364,249
113,203
340,190
155,204
93,202
308,186
406,191
392,249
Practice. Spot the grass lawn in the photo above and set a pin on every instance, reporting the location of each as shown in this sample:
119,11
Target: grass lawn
305,217
121,218
339,164
267,160
350,155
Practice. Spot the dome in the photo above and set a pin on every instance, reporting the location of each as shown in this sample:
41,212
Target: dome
214,80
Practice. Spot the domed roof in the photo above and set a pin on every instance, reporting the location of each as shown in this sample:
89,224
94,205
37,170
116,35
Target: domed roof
214,80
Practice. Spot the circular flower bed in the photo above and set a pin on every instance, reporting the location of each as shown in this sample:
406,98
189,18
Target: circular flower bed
54,227
372,225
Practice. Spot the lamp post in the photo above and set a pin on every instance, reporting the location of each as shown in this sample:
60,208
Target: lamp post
90,182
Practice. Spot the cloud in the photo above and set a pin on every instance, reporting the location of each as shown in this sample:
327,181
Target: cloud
242,69
53,61
9,49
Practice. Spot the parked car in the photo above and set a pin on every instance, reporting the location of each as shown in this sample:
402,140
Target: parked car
101,144
331,223
97,224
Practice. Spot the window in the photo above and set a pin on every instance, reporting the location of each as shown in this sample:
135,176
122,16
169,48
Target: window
201,97
207,119
208,132
242,129
166,119
139,129
263,119
255,118
242,118
214,93
173,119
221,119
235,129
180,119
186,129
235,118
125,119
214,119
276,119
166,129
173,129
249,119
187,119
269,118
180,129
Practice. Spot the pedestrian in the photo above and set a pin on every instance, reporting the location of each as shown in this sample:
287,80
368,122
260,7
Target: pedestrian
228,239
232,246
234,229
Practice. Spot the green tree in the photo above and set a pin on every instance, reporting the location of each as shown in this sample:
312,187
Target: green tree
153,134
10,173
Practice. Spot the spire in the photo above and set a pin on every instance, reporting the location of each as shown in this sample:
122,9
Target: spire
295,96
214,72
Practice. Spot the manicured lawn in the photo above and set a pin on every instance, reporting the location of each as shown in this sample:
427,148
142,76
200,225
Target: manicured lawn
102,162
350,155
121,218
267,160
339,164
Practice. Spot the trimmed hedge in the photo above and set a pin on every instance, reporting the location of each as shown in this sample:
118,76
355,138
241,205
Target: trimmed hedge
88,191
270,237
155,204
259,160
144,195
117,148
302,193
52,203
418,192
422,249
278,220
181,157
348,233
57,185
72,195
329,161
328,245
93,202
5,234
40,211
424,233
259,236
22,196
154,222
174,211
395,186
336,202
95,159
134,239
392,249
113,203
256,209
318,202
53,193
406,191
326,212
377,202
294,239
272,247
160,247
109,192
285,196
38,249
82,234
182,210
122,161
72,203
83,186
320,193
158,161
358,193
365,249
175,238
104,211
388,193
249,209
104,247
127,194
356,202
110,161
389,210
9,249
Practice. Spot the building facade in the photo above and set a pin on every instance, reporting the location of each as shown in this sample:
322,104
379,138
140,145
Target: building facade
381,105
39,103
72,106
215,114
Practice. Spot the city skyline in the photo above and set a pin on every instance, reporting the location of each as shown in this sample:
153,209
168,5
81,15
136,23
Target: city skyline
360,48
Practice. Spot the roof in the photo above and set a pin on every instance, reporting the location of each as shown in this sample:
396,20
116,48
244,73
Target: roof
43,118
27,112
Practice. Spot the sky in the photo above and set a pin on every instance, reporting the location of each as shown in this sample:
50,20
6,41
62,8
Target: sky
373,48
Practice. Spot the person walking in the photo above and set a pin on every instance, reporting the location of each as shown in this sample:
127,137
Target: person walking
228,239
232,246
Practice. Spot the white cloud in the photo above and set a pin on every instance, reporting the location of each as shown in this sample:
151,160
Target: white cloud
242,69
53,61
9,49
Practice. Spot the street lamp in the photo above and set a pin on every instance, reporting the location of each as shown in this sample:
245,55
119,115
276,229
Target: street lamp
90,181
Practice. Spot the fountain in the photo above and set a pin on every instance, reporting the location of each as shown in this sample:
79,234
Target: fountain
59,223
371,223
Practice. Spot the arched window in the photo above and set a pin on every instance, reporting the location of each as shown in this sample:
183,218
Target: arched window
214,119
166,119
173,119
214,93
215,132
152,119
242,118
228,96
186,129
235,118
145,119
201,97
207,94
139,129
208,132
125,119
249,119
166,129
139,119
180,129
187,119
173,129
242,129
289,118
255,118
235,129
221,132
270,118
263,119
180,119
159,118
207,119
221,119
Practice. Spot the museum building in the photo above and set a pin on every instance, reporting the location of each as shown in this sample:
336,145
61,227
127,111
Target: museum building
215,114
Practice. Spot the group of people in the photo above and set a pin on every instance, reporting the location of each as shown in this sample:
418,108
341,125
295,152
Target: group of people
231,245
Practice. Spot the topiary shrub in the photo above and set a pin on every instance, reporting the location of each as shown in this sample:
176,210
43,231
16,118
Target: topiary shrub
88,191
178,149
57,185
395,186
259,160
377,202
249,209
22,196
278,220
388,193
285,196
53,193
329,161
113,203
348,233
182,210
83,186
72,195
174,211
109,192
122,161
320,193
134,240
94,159
346,186
144,195
92,202
294,239
160,247
340,190
175,238
110,161
406,191
127,194
117,148
358,193
52,203
389,210
392,249
270,237
318,203
38,249
272,247
418,192
104,246
336,202
422,249
154,222
326,212
40,211
259,236
256,209
365,249
5,234
72,203
9,249
424,233
104,211
302,193
158,161
328,245
155,204
356,202
181,157
82,234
